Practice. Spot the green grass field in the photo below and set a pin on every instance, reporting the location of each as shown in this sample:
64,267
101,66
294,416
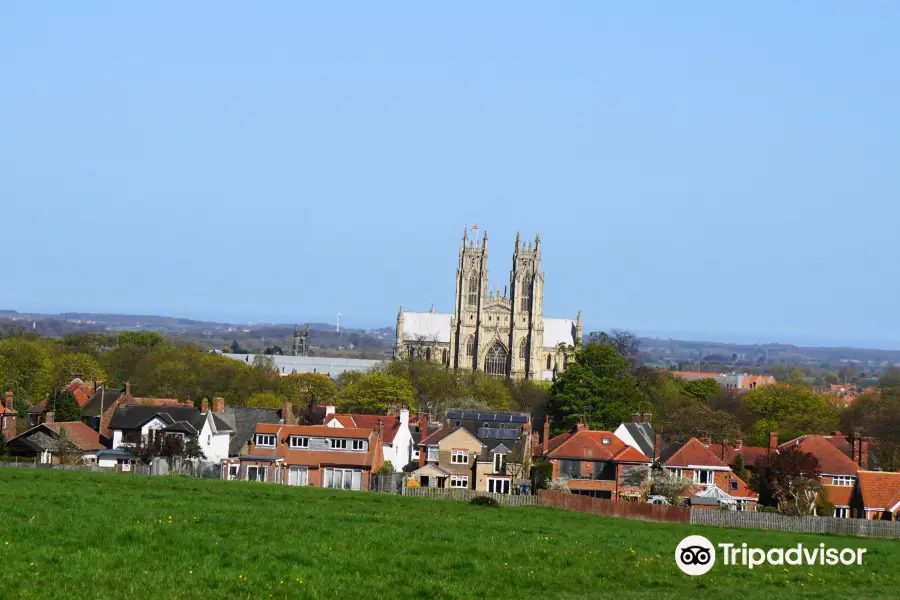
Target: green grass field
85,535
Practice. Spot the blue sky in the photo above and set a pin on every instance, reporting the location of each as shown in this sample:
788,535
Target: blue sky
694,169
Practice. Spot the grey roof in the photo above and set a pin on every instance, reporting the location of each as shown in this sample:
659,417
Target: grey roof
182,427
134,416
243,420
220,424
644,435
323,365
91,408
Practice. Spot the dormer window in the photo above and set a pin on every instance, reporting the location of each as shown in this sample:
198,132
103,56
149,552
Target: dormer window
265,441
359,444
297,442
499,462
338,444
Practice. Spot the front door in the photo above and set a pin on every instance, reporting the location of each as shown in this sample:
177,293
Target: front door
423,481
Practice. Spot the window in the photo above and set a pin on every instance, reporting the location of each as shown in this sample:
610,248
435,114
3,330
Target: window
427,353
499,462
472,298
841,513
233,472
444,357
676,473
296,441
298,476
570,469
740,506
523,350
549,363
412,352
359,444
734,485
843,480
256,473
459,481
525,298
604,441
338,444
498,486
346,479
703,477
459,457
433,453
470,346
265,441
495,362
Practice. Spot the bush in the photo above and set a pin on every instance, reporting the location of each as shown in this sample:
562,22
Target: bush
484,501
385,469
824,507
7,458
767,509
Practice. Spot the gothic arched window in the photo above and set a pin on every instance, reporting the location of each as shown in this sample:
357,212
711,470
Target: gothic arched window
473,291
444,357
549,363
525,297
523,350
412,352
427,353
565,362
495,361
470,346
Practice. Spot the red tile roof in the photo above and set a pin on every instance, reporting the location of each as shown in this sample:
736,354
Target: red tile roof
313,430
692,452
80,434
750,453
831,460
597,445
839,495
390,425
373,458
695,375
879,489
80,397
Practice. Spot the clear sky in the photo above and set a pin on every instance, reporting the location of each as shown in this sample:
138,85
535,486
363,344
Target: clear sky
693,169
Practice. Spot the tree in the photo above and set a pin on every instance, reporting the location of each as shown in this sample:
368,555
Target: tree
60,370
65,450
374,393
308,387
626,344
597,388
140,339
266,400
791,410
774,473
698,420
832,378
2,444
877,415
804,493
64,406
531,397
660,482
700,389
739,469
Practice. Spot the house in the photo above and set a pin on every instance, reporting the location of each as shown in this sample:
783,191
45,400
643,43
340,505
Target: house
876,496
695,460
43,441
396,435
134,418
315,455
483,451
243,421
80,390
730,381
111,458
728,453
543,447
597,464
638,433
99,408
8,417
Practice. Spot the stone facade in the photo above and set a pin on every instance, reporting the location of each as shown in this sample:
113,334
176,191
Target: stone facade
503,333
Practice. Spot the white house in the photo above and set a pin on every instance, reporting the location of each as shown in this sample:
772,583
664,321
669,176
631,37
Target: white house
397,444
130,423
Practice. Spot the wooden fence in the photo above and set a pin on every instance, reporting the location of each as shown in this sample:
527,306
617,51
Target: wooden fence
776,522
610,508
466,495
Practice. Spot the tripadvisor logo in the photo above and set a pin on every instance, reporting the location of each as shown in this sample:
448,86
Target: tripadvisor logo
696,555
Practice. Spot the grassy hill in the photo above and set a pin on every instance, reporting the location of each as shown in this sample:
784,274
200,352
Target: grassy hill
86,535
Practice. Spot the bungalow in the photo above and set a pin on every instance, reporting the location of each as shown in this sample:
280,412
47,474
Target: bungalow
44,441
695,460
315,455
876,496
596,464
396,436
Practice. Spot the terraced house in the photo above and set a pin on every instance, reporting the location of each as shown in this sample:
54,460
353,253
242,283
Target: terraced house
316,455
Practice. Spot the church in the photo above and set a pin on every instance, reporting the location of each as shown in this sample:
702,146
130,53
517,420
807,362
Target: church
503,333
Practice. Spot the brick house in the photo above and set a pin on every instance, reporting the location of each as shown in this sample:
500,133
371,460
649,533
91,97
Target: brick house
315,455
396,435
876,496
596,464
695,460
8,417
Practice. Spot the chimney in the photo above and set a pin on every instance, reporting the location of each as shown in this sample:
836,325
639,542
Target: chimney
705,439
329,410
204,405
581,426
188,402
128,390
546,435
864,453
648,417
773,440
123,398
856,445
218,404
9,400
404,416
635,417
740,442
287,413
657,447
48,418
9,420
535,439
724,450
423,451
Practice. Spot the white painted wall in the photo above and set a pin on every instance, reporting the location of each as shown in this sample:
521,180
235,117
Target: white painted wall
214,444
622,433
400,451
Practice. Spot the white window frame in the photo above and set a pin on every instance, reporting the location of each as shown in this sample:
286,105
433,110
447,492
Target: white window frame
710,477
459,481
262,440
679,473
257,469
337,443
358,445
342,474
233,471
297,442
841,512
434,454
499,483
301,473
499,462
843,480
455,456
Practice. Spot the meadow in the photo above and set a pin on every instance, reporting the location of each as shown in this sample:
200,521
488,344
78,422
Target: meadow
70,534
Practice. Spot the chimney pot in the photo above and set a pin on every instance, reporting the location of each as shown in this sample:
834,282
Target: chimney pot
773,440
287,413
218,404
635,417
648,417
49,417
204,405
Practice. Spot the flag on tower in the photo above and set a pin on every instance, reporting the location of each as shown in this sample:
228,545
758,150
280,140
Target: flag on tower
474,227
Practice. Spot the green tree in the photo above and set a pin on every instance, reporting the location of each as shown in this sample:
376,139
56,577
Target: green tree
374,393
832,378
23,364
266,400
740,469
140,339
64,406
697,420
59,371
791,410
598,387
700,389
304,388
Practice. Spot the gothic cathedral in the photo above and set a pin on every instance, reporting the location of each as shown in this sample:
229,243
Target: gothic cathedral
503,333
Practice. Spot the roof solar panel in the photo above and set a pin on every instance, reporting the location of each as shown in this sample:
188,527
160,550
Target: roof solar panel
519,419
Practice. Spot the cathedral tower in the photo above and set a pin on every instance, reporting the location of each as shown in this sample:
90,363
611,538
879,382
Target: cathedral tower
471,291
526,335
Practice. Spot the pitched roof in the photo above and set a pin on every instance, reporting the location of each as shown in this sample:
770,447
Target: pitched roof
597,445
691,452
243,421
831,460
102,396
79,434
390,425
879,489
839,495
133,416
643,435
750,453
317,457
314,431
